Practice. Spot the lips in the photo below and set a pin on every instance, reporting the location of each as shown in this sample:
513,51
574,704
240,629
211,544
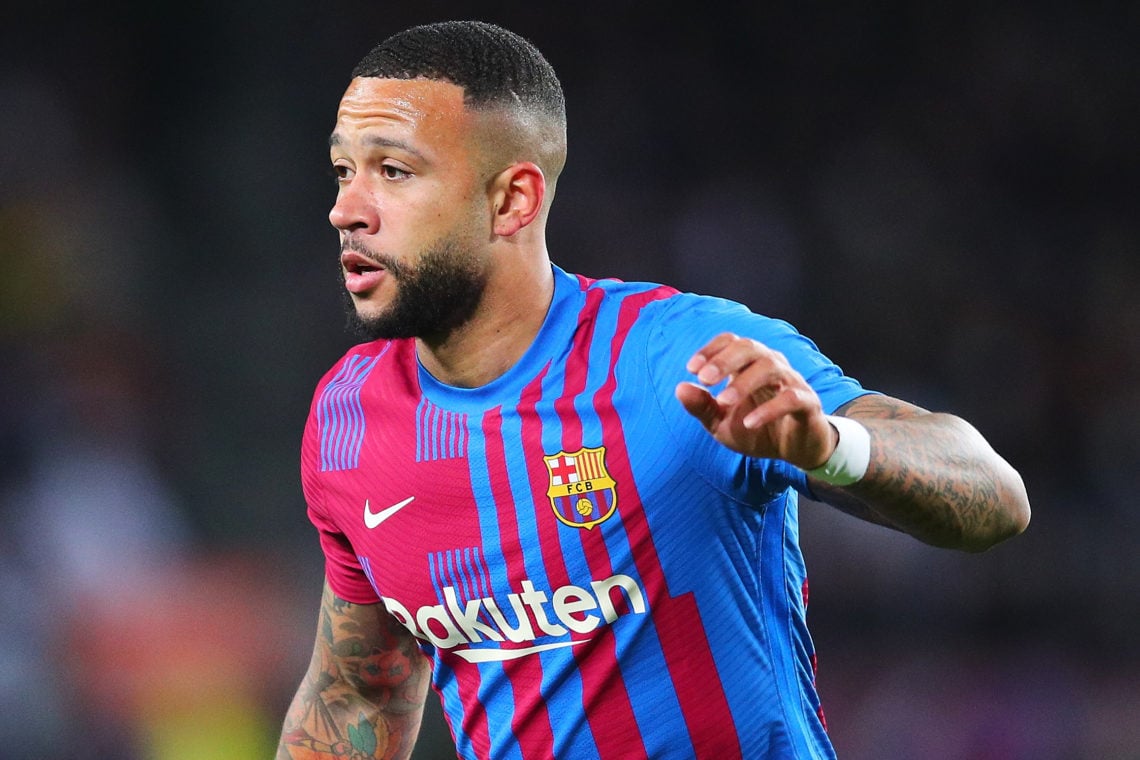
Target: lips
361,274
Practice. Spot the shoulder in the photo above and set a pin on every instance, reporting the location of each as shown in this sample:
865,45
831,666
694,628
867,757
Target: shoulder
634,296
651,304
358,362
685,322
669,324
676,327
342,384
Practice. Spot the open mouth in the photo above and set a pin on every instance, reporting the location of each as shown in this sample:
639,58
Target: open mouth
355,263
361,274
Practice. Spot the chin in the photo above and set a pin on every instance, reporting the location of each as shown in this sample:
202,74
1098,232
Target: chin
367,305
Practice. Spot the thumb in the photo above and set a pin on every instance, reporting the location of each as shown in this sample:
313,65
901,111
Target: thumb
699,403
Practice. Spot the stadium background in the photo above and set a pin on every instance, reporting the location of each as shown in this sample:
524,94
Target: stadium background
944,196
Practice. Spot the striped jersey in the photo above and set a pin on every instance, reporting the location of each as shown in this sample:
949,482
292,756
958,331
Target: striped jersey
590,573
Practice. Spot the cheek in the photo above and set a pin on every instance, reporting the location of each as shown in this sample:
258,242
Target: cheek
466,218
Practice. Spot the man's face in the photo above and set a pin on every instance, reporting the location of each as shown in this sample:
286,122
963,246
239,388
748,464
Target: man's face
411,207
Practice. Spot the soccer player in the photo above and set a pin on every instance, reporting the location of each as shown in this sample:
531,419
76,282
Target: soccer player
571,504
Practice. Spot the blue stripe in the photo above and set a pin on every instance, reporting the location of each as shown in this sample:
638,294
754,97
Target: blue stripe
476,573
366,566
455,575
462,574
480,582
562,686
450,438
450,577
458,435
447,433
440,434
434,574
437,581
518,479
482,572
651,707
430,432
494,583
444,678
420,428
330,427
342,416
481,491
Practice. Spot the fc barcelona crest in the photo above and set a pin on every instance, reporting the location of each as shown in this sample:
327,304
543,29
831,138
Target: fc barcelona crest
581,492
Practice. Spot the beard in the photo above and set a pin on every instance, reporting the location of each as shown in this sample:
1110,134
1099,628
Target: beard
434,297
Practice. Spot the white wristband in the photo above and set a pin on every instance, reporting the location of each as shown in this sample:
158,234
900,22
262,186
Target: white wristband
848,463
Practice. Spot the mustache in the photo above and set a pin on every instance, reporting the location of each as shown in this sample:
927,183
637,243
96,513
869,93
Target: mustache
354,245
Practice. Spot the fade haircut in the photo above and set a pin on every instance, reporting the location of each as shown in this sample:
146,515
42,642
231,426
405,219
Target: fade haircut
494,66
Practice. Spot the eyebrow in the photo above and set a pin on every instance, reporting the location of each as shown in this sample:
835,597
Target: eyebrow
378,141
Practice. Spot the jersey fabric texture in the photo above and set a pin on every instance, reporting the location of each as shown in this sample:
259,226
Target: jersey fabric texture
591,574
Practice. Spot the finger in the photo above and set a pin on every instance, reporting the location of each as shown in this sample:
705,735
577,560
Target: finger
744,359
735,357
755,383
787,401
725,357
711,348
699,403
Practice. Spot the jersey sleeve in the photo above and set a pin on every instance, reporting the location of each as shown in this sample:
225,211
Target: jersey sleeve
343,572
685,324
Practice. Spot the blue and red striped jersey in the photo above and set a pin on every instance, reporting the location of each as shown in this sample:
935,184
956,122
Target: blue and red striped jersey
591,574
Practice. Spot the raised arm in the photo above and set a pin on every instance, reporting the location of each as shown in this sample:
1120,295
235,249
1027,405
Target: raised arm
364,690
930,475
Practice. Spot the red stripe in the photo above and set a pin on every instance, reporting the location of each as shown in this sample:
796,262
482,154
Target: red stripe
531,719
604,695
683,641
575,372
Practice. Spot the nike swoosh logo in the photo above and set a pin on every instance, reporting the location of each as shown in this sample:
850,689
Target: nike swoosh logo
372,519
492,654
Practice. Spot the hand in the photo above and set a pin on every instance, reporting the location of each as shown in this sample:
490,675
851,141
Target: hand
766,410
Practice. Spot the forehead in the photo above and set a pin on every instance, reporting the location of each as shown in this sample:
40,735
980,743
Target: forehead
421,109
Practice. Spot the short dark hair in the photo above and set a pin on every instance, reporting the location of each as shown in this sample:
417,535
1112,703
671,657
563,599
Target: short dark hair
494,66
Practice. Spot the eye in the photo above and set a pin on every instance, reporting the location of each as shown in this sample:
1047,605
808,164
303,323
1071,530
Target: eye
390,171
341,173
393,172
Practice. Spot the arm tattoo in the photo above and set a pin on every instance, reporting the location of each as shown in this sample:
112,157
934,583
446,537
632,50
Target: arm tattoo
932,476
363,694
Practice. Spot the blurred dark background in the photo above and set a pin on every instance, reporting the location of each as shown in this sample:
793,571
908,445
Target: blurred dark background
943,196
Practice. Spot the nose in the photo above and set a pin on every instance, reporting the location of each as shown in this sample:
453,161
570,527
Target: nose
354,210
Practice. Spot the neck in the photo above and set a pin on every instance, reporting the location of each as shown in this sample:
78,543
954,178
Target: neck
503,327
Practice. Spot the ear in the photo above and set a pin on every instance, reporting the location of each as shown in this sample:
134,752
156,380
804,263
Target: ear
517,194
